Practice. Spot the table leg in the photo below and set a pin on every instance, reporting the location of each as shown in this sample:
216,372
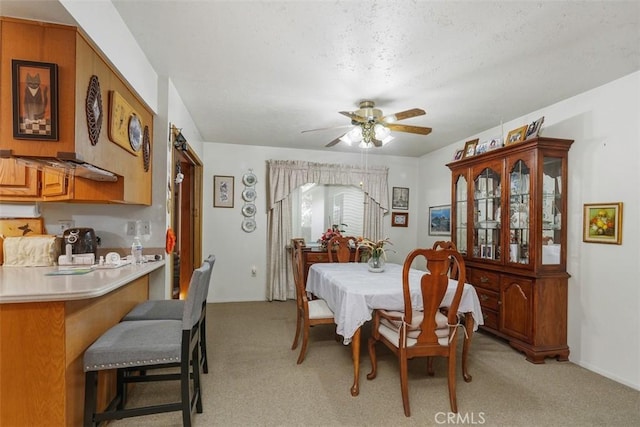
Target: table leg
468,326
355,355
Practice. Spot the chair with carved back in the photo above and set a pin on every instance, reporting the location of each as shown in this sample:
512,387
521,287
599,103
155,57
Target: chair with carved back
425,333
447,244
309,312
339,248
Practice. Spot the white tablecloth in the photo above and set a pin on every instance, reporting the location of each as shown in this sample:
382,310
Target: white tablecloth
353,292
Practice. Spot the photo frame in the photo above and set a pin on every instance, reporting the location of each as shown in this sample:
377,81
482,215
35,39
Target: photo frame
534,128
223,190
399,219
400,198
602,223
516,135
35,100
458,154
482,147
494,143
470,148
486,251
440,220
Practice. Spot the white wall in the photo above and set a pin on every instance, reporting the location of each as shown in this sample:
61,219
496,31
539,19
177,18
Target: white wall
604,166
237,251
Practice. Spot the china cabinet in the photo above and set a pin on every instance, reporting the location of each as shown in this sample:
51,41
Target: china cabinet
508,219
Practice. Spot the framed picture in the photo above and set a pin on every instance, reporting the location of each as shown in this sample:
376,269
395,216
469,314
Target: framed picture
482,147
470,148
459,154
602,223
222,191
494,143
35,100
400,198
440,220
516,135
399,219
534,128
486,251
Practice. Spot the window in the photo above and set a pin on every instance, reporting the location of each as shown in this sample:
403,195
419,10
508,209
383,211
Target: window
315,207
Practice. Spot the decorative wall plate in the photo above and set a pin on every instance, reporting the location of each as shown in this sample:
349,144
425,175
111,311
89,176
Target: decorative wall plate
249,195
249,179
146,149
249,225
135,133
94,110
249,209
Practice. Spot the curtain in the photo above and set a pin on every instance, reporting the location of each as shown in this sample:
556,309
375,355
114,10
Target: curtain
284,176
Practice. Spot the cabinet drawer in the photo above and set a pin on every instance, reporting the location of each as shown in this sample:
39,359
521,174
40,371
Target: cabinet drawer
488,299
490,318
317,257
483,278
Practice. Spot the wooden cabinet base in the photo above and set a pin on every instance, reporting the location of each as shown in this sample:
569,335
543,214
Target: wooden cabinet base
537,355
41,349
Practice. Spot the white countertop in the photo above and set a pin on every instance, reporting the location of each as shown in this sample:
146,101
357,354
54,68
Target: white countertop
30,284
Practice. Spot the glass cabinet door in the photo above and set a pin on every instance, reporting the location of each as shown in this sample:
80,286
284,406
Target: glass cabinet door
461,215
519,214
486,201
552,199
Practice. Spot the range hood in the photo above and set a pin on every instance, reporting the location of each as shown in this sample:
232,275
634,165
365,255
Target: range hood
67,163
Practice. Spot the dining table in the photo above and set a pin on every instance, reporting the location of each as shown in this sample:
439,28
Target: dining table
352,292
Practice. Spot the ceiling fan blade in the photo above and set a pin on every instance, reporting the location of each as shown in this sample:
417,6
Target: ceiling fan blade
353,116
408,128
414,112
335,141
328,128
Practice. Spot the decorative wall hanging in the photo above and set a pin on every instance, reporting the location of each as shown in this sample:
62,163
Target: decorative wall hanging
125,126
440,220
249,180
35,100
222,191
400,198
399,219
146,149
94,110
602,223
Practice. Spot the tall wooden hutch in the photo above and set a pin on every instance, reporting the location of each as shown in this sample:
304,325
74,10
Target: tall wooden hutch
508,219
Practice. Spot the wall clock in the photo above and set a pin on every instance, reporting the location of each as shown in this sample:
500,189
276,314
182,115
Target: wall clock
94,110
121,129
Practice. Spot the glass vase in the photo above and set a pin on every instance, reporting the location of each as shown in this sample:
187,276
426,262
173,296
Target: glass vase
376,264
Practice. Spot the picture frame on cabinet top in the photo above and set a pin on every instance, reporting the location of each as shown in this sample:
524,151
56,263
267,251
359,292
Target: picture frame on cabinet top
35,100
516,135
534,128
470,148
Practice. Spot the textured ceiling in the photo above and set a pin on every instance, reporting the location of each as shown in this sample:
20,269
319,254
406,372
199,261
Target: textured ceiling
260,72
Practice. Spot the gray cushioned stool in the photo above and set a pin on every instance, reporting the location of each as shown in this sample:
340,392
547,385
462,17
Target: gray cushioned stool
172,309
148,345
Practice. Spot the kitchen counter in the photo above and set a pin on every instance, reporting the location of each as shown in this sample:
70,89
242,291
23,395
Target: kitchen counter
31,284
46,324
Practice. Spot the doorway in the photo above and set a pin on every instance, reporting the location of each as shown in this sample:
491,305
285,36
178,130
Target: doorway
186,215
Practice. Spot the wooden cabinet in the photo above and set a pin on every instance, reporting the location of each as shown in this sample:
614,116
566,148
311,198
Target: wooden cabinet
508,219
314,255
18,182
77,60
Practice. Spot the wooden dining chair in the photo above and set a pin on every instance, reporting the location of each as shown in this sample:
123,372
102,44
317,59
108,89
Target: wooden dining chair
447,244
426,333
309,312
339,248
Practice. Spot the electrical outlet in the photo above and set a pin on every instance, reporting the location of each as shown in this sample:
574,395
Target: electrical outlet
131,228
145,227
254,271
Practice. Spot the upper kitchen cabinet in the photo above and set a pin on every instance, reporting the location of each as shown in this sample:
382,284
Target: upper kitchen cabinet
112,166
508,216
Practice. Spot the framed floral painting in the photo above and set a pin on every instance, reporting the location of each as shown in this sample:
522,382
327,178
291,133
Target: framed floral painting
602,223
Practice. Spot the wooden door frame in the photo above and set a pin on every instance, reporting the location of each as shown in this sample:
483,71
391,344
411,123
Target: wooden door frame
184,154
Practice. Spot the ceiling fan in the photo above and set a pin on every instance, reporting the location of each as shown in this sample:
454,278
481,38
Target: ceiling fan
371,127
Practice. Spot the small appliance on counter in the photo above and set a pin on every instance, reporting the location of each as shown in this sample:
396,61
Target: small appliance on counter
80,246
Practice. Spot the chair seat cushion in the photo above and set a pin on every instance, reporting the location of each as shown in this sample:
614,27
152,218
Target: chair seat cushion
318,309
167,309
136,343
390,329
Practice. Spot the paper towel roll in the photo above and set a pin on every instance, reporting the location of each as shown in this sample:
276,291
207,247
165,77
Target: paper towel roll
10,210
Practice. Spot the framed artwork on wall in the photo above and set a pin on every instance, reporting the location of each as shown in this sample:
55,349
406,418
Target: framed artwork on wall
399,219
602,223
35,100
440,220
400,198
222,191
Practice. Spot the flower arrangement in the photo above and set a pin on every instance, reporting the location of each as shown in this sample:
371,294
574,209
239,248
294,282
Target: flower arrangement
330,233
375,249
